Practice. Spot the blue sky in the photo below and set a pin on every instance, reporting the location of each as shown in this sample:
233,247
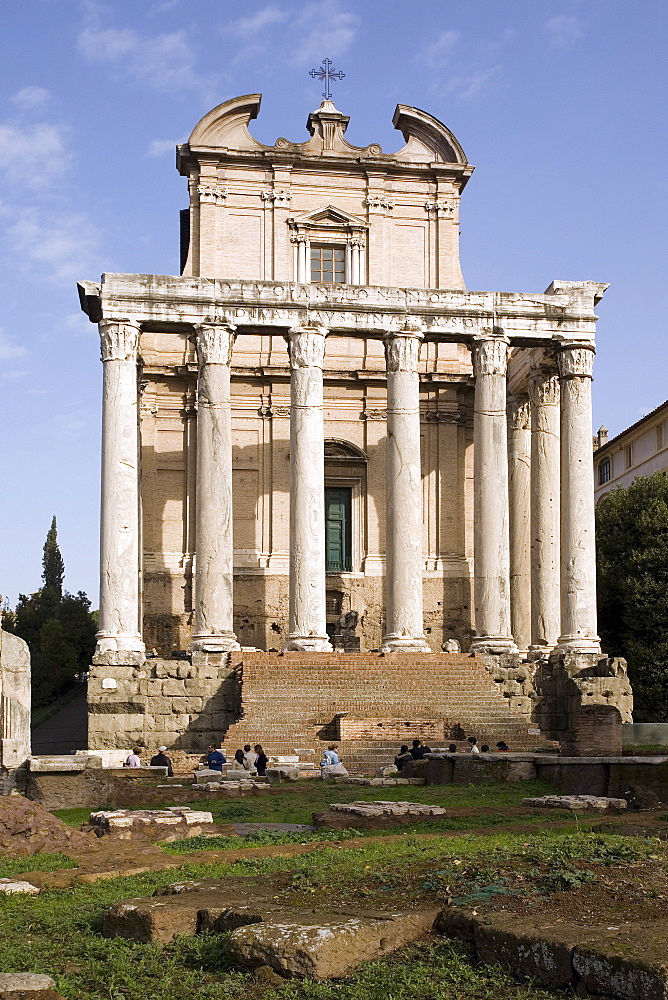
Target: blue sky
560,104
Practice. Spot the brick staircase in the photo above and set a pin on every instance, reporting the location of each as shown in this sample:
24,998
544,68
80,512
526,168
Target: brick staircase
291,700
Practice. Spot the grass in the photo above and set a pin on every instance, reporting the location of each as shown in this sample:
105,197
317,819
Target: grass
10,867
58,932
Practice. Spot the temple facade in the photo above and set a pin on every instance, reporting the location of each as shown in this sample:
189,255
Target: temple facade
315,437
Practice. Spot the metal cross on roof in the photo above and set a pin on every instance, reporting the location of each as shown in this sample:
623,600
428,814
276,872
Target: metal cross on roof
327,74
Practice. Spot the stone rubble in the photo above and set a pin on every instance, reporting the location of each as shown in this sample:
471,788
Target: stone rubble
384,782
12,887
577,803
386,808
17,985
171,823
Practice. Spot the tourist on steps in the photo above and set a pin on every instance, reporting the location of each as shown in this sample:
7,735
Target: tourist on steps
502,747
162,760
132,760
330,765
215,759
403,757
239,759
418,750
249,758
261,760
484,748
473,745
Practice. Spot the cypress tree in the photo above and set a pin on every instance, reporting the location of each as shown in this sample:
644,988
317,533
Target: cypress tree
53,567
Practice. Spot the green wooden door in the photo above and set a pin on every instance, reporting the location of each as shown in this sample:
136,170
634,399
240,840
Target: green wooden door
338,533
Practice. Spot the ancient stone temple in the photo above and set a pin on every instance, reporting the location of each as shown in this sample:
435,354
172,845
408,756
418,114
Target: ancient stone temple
315,436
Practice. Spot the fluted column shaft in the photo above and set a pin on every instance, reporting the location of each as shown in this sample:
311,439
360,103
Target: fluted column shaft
308,617
214,546
404,628
519,488
545,503
119,627
490,504
578,547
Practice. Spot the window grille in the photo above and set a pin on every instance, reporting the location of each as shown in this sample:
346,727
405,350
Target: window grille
328,264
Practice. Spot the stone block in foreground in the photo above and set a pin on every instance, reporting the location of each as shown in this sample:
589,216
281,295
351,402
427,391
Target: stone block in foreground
577,803
318,946
173,823
27,986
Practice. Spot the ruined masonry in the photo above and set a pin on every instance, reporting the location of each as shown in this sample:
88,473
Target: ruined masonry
324,458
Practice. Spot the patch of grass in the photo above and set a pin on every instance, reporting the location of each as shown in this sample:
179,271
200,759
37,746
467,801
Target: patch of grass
262,838
9,867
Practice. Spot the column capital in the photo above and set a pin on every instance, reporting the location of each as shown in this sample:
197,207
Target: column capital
519,413
119,339
402,348
490,355
214,343
576,360
543,387
306,346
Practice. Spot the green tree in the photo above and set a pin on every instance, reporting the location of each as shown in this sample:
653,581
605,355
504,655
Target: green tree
632,545
58,627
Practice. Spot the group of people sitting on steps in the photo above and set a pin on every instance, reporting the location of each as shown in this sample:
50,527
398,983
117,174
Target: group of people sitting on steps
418,750
250,760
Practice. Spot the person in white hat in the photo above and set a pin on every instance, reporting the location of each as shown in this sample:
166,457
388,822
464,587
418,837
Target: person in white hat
162,760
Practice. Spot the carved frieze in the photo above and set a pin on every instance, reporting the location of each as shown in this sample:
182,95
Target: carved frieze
211,195
445,417
306,346
439,207
119,340
371,414
490,355
375,201
576,361
214,343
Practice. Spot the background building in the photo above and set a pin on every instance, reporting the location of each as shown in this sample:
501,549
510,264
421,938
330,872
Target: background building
640,450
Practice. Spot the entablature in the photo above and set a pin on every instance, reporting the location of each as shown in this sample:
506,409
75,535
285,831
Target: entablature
565,312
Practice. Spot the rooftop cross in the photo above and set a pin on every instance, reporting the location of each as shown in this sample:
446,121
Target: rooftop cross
327,74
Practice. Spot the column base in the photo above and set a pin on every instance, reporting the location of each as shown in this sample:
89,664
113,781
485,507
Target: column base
493,644
107,642
221,642
393,643
578,644
307,644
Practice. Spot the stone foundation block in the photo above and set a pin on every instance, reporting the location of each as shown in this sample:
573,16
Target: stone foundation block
518,947
26,986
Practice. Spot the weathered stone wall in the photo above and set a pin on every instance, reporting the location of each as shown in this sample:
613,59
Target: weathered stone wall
14,709
185,704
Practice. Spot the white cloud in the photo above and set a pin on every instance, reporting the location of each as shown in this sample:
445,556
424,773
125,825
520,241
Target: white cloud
438,53
33,154
323,26
31,98
165,63
8,349
471,85
59,244
247,27
159,147
564,30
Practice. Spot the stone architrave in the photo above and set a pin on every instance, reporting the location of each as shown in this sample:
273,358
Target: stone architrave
491,544
519,488
403,579
119,530
214,547
545,502
578,549
307,604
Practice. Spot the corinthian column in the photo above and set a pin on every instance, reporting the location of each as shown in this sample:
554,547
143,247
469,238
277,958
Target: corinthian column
490,505
214,632
578,551
519,485
308,618
119,529
403,573
545,461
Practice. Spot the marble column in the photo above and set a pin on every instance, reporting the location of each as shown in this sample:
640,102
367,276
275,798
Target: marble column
308,616
545,501
404,625
578,550
119,528
519,486
491,544
214,547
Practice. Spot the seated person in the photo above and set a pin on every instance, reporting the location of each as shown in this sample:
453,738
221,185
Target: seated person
215,759
402,757
132,760
473,745
484,748
330,765
452,748
418,750
502,747
162,760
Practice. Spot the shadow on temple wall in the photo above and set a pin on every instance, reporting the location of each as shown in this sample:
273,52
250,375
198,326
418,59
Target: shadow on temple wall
261,601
